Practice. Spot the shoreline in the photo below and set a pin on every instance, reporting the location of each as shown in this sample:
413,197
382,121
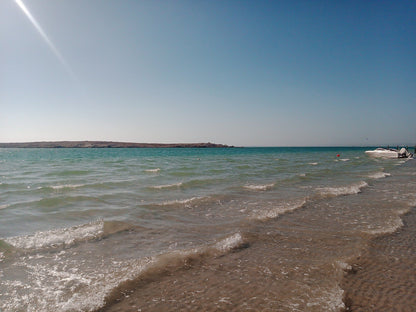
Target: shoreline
158,233
383,277
109,144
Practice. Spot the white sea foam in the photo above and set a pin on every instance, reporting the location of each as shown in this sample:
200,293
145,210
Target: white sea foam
67,186
342,159
152,170
63,286
343,190
4,206
343,266
229,243
58,237
392,226
379,175
405,210
167,186
313,163
260,187
278,210
329,300
182,201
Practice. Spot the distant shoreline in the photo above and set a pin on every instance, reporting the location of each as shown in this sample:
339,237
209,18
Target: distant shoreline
109,144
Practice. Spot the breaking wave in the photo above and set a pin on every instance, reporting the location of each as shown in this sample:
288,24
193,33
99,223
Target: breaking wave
65,237
4,206
153,267
229,243
66,186
260,187
379,175
167,186
278,210
391,227
156,170
182,202
342,190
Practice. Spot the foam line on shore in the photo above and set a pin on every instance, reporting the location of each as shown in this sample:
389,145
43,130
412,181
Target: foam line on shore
278,210
351,189
159,265
259,187
65,237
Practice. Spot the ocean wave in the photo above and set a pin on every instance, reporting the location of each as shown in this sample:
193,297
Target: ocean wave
4,206
52,286
278,210
58,237
5,248
231,242
392,226
167,186
65,237
182,201
259,187
379,175
64,287
152,170
155,267
342,159
342,190
67,186
180,257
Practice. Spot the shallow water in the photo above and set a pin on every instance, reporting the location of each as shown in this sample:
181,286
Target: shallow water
383,277
83,228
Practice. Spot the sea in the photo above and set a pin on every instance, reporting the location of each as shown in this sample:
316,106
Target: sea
191,229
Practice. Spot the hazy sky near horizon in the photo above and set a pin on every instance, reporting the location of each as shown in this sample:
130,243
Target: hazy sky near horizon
262,73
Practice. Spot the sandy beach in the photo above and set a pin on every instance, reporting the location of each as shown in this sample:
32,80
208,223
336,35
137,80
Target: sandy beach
383,278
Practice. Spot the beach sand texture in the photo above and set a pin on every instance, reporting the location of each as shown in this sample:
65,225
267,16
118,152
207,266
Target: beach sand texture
384,277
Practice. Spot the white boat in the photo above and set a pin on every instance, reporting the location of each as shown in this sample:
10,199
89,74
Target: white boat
389,153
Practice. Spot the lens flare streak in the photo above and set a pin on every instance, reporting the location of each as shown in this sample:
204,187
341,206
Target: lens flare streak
55,51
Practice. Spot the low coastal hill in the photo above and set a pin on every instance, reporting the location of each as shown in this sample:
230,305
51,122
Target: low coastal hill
107,144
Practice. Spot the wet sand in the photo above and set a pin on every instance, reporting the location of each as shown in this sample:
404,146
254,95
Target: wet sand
297,262
270,272
383,278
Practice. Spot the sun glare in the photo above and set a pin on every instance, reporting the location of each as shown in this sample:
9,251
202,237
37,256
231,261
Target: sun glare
39,29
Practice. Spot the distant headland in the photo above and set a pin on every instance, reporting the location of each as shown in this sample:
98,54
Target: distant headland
108,144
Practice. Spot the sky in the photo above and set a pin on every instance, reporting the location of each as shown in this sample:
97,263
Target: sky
245,73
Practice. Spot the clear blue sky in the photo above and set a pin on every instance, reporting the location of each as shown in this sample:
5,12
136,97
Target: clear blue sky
247,73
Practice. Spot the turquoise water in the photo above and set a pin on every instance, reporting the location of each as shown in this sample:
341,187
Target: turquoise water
48,188
126,207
